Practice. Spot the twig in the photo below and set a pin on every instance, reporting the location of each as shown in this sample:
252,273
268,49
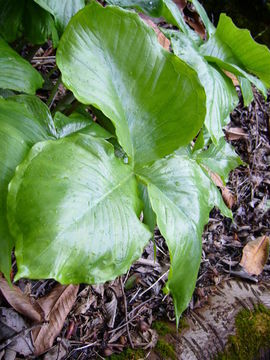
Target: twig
54,93
161,277
126,313
86,346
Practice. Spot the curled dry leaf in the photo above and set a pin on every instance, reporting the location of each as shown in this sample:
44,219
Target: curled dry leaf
235,133
164,42
232,77
56,306
21,302
255,255
228,197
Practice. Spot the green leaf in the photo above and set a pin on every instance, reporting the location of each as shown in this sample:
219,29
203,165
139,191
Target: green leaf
236,48
221,96
221,159
73,209
25,18
16,73
174,16
62,10
76,122
182,196
38,24
109,58
11,12
204,17
24,120
149,217
246,90
151,8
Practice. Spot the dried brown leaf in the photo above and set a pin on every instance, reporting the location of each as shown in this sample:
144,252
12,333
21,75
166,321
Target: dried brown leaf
181,4
255,255
235,133
164,42
56,306
228,197
232,77
21,302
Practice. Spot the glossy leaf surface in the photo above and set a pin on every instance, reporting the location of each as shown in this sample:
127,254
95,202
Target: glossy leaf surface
149,216
73,208
236,47
109,58
151,8
11,12
174,16
76,122
61,10
25,19
16,73
24,120
221,96
38,24
246,90
182,196
204,17
221,159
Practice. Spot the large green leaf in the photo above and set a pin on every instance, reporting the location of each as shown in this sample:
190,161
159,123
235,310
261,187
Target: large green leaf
11,13
236,48
181,195
111,59
62,10
174,16
221,96
210,28
16,73
25,18
221,159
38,24
77,122
151,8
24,120
73,209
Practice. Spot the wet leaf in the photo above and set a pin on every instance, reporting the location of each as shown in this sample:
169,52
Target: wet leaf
24,120
73,184
151,118
56,306
16,73
255,255
182,196
62,11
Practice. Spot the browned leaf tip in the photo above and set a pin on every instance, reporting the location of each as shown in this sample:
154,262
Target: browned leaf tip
255,255
22,303
164,42
56,306
228,197
232,77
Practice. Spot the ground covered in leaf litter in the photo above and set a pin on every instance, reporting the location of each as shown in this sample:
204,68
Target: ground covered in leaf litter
107,319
